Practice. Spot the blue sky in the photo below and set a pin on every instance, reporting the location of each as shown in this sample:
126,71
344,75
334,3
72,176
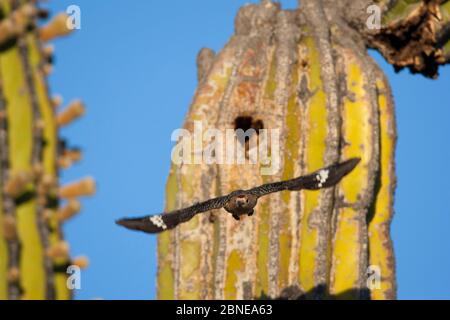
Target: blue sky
127,61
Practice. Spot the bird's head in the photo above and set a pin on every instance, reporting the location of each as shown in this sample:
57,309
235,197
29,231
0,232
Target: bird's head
241,203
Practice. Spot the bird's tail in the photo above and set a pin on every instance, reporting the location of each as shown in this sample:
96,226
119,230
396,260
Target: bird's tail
327,177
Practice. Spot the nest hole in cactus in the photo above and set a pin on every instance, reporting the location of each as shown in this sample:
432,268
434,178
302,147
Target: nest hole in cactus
246,123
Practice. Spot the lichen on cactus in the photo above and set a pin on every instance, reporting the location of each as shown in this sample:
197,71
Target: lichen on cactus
306,72
33,254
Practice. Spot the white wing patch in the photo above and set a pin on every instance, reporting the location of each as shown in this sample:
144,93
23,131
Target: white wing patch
322,177
158,221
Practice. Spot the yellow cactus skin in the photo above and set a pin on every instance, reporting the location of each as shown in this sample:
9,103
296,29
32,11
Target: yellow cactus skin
380,244
350,232
330,102
29,226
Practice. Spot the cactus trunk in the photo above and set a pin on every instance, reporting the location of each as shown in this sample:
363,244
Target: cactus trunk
293,71
33,254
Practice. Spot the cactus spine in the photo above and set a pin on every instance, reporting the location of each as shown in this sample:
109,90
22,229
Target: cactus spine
33,254
307,72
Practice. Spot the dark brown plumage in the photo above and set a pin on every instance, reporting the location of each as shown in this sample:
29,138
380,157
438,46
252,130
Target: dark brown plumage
241,202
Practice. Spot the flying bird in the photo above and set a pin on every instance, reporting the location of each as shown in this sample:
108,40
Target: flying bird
241,202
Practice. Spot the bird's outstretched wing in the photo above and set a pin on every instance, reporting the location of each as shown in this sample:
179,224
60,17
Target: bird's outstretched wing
323,178
166,221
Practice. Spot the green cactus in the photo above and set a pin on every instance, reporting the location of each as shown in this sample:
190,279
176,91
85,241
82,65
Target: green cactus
304,71
307,72
33,255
